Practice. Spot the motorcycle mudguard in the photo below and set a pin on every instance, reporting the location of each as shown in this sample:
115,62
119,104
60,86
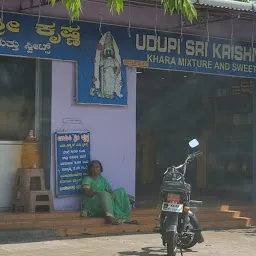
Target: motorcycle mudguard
194,221
171,222
196,224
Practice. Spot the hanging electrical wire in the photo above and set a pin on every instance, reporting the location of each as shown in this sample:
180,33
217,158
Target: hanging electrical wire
101,16
181,27
2,11
253,28
207,25
156,19
232,30
129,21
39,12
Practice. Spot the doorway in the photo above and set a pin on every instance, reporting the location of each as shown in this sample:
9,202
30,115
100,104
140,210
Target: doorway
174,107
25,105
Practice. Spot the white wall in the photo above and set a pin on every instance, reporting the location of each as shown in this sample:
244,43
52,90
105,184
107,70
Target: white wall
10,157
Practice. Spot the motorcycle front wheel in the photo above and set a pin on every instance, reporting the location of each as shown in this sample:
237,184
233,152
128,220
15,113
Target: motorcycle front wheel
171,240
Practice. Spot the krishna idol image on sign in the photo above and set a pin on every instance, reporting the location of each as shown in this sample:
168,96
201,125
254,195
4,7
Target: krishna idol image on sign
107,80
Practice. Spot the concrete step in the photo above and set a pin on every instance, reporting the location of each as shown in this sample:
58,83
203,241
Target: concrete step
242,208
15,217
248,211
138,213
109,229
51,223
82,227
206,209
25,235
104,230
250,214
206,219
65,223
37,216
227,224
218,215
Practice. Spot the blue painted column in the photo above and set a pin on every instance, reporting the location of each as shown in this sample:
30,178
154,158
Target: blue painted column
254,143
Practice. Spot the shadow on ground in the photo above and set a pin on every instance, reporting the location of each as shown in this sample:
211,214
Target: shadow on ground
152,251
251,232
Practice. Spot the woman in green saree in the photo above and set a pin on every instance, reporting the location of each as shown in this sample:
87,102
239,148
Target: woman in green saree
99,199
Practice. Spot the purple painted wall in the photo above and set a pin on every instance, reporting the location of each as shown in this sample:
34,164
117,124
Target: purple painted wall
113,130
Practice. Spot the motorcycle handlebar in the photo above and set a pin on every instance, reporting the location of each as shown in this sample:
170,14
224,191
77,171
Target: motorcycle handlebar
179,167
191,156
198,154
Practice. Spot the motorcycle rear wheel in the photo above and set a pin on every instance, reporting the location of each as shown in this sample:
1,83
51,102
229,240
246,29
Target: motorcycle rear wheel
190,245
171,240
194,224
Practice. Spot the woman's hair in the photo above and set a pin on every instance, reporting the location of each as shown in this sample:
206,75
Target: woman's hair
92,163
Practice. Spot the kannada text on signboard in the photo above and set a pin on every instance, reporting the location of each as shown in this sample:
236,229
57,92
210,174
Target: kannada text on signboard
72,159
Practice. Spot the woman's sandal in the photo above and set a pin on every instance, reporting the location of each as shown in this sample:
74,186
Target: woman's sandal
111,220
133,222
83,214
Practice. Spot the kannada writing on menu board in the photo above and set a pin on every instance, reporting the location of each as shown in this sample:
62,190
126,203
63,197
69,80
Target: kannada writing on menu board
72,159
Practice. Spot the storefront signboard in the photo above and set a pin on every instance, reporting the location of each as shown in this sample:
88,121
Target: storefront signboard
102,55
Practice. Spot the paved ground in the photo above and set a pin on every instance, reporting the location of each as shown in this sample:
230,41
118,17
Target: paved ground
218,243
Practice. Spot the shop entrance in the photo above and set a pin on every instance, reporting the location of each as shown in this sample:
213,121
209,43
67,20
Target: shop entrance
25,104
174,107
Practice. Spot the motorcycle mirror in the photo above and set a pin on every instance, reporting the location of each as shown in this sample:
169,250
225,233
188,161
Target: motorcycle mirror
193,143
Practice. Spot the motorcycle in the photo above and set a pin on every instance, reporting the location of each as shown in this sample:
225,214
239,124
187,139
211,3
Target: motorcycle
179,227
